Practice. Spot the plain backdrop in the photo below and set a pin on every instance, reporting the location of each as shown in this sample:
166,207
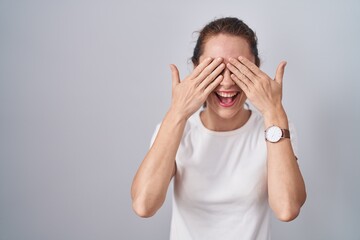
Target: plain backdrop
84,83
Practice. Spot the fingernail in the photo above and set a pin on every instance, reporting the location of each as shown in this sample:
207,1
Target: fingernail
219,59
241,58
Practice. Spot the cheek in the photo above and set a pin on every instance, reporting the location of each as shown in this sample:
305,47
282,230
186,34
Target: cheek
212,99
242,98
199,61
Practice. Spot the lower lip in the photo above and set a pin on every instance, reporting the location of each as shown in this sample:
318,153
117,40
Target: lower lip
227,105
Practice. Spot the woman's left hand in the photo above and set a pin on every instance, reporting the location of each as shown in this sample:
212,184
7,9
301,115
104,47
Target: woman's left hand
263,92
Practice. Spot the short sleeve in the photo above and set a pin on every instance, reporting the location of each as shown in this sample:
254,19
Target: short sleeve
155,134
294,138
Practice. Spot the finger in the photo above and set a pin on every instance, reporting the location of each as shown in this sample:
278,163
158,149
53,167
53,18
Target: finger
208,70
241,84
252,67
175,76
280,72
199,68
212,76
238,66
213,85
240,76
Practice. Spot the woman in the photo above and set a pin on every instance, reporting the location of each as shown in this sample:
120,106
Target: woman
227,173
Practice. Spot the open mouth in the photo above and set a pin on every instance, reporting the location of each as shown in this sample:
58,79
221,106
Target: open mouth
227,99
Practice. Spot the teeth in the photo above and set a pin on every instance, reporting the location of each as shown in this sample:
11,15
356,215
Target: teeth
223,94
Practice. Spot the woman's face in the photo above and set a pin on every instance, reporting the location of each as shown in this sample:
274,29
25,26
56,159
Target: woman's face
227,100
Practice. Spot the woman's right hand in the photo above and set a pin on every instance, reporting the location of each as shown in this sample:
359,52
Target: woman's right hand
190,94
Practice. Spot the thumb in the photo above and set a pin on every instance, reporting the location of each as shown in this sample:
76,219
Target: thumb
280,72
174,75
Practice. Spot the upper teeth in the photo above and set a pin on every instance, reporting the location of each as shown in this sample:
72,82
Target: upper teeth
223,94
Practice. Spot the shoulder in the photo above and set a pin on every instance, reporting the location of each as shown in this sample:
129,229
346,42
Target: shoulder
192,124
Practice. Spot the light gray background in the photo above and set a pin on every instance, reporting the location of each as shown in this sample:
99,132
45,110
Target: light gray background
83,84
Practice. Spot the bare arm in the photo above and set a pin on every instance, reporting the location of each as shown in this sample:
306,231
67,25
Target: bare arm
152,179
286,186
285,183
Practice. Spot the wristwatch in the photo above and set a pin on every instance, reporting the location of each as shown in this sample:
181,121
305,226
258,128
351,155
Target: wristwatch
274,134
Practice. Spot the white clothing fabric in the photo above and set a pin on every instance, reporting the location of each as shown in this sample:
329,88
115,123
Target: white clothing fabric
220,187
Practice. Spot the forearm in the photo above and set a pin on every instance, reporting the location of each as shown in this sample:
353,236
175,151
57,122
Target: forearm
152,179
285,183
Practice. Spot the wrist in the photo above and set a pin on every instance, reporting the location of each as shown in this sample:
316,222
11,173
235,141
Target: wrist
176,116
276,116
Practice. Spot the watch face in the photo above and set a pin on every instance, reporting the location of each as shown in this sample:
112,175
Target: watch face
273,134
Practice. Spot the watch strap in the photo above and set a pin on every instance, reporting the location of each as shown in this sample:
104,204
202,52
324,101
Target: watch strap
285,133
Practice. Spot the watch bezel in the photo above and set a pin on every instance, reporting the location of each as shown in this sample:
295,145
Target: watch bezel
273,130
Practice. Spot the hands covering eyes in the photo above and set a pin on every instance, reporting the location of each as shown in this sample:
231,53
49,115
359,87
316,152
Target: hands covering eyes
189,94
263,92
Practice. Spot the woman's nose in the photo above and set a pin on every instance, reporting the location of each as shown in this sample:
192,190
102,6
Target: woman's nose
227,80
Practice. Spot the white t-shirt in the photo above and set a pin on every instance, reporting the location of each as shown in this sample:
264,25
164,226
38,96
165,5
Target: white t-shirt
220,187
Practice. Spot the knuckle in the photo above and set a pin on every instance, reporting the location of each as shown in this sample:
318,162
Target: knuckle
244,78
200,76
196,72
253,68
243,69
257,83
211,75
246,72
235,65
207,79
207,71
232,67
262,76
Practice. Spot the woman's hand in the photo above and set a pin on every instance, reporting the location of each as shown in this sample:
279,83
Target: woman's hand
189,94
286,187
263,92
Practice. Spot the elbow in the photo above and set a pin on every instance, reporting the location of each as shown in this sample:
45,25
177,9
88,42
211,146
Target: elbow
143,210
290,210
287,215
287,211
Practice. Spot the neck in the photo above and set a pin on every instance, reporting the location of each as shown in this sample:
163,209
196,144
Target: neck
215,122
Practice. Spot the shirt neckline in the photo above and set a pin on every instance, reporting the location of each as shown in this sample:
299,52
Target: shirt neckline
224,133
